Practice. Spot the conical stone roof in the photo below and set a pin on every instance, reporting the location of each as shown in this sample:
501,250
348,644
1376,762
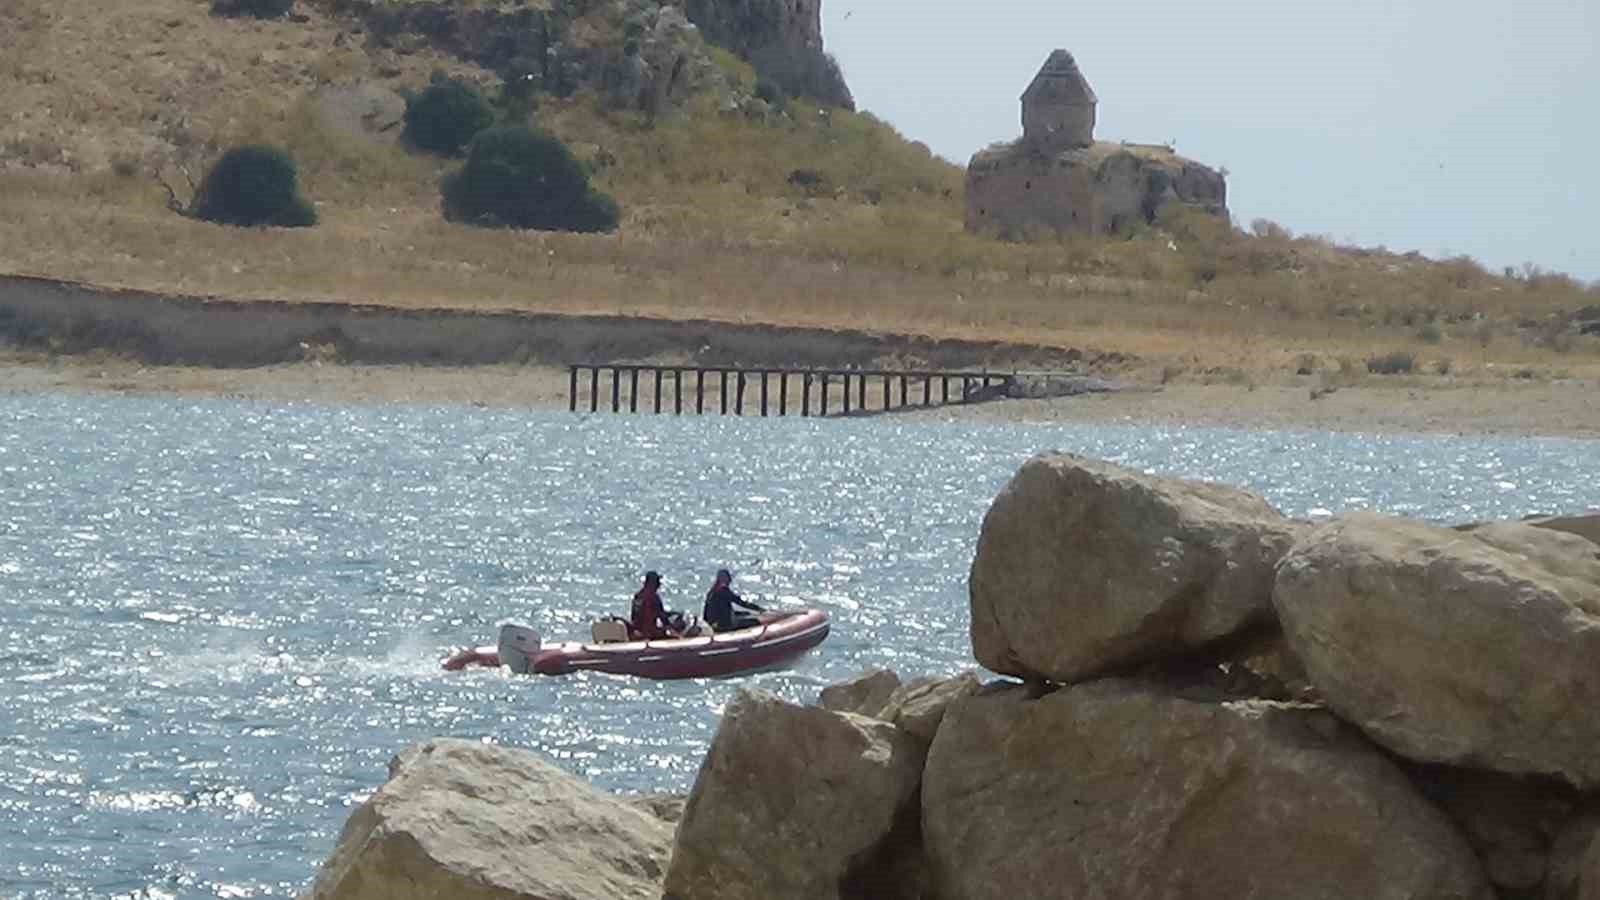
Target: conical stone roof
1060,82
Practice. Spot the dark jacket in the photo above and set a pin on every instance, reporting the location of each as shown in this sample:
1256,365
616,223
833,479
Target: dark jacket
720,602
649,619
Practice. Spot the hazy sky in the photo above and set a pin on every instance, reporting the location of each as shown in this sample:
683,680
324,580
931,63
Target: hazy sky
1435,125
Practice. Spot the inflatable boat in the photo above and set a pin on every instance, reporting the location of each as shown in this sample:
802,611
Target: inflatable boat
777,637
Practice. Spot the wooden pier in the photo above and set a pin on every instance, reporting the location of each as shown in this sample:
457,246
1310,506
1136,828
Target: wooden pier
726,390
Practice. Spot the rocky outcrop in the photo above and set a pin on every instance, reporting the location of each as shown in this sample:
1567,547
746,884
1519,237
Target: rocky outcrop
1511,823
651,56
782,39
466,820
1586,527
792,802
1114,790
1085,567
863,695
1574,872
1478,649
919,706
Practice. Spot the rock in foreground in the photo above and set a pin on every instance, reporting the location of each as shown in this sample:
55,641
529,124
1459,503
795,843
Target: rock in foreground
1478,649
1114,790
790,801
470,821
1085,567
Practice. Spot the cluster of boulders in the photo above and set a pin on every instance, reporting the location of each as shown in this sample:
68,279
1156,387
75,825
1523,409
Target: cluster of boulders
1211,700
636,54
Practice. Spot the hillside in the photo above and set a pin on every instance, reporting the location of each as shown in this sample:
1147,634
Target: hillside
734,208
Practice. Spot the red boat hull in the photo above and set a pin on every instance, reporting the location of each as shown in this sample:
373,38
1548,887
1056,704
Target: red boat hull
779,638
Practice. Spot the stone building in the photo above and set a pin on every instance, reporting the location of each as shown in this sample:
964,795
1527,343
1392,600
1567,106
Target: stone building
1057,177
1058,107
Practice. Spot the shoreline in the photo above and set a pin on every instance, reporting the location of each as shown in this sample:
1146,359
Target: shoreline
1529,408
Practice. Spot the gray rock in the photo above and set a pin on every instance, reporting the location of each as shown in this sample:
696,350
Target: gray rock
1478,649
1085,567
863,695
1574,871
471,821
789,802
1114,790
919,706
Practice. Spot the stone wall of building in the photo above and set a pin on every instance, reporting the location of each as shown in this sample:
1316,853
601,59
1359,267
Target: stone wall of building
1058,127
1014,190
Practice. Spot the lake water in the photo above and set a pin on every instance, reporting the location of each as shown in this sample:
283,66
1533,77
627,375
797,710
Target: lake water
219,619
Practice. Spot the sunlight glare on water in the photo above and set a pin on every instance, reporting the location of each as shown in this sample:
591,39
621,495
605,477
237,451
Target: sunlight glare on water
220,619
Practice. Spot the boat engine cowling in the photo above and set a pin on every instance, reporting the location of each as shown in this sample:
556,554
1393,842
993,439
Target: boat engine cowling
519,643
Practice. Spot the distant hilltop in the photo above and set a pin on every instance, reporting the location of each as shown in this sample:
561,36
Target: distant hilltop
1057,177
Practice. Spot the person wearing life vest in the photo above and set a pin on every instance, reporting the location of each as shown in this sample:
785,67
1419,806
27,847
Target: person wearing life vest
721,600
649,617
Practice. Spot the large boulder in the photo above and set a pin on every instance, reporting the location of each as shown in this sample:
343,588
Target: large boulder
1478,649
1575,862
863,695
466,820
1511,823
1118,791
792,802
1586,527
1085,567
919,706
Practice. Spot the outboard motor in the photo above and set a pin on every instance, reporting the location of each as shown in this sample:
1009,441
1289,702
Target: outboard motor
518,645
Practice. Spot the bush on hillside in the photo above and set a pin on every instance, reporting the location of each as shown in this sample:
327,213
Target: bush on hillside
260,9
516,177
254,185
772,94
446,115
1399,362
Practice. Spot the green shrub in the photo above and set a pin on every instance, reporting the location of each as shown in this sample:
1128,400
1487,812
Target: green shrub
254,185
768,91
1400,362
260,9
446,115
520,178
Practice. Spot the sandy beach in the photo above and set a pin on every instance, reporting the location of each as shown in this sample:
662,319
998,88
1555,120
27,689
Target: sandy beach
1430,405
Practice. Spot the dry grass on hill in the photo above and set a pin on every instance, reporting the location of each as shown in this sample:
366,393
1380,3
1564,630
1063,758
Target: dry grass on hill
714,225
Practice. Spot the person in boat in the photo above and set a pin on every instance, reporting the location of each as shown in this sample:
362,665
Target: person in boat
721,600
649,617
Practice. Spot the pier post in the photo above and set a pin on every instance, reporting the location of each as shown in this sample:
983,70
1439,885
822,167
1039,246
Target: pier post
763,393
572,391
633,389
886,392
594,389
724,392
822,405
783,393
904,387
738,398
657,371
861,392
616,389
805,396
846,377
677,392
927,390
944,389
699,392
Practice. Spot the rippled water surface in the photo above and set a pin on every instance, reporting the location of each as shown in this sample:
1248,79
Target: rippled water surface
218,620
